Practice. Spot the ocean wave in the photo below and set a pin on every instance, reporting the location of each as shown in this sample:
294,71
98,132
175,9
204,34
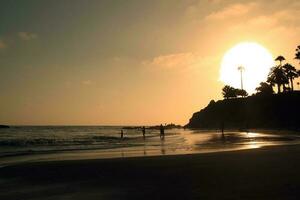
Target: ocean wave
21,142
71,141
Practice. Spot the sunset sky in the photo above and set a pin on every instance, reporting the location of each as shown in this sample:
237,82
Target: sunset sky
130,62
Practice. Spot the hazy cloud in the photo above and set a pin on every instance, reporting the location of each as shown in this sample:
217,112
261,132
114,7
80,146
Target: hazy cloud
27,35
282,22
87,82
173,60
234,10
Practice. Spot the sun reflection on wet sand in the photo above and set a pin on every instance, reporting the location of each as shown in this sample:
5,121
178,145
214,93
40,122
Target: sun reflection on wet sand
252,145
216,141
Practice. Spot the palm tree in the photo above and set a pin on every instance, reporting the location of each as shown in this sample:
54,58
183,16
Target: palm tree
291,73
297,55
241,69
277,77
280,59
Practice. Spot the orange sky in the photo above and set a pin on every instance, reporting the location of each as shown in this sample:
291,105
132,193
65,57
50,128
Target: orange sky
127,62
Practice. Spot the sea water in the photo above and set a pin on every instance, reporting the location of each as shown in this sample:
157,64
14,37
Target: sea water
40,143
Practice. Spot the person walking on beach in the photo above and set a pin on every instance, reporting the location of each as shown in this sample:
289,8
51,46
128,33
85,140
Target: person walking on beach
162,131
144,131
122,133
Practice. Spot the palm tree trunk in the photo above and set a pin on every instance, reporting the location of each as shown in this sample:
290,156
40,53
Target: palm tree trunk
284,88
278,88
292,84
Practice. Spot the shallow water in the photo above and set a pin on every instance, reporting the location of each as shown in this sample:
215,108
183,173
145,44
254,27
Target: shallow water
42,143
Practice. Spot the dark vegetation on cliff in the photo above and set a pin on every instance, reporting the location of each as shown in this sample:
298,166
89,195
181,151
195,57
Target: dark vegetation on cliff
274,111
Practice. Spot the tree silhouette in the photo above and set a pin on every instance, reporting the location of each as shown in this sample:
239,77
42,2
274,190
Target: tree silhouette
280,59
297,55
291,73
241,92
229,92
264,88
277,77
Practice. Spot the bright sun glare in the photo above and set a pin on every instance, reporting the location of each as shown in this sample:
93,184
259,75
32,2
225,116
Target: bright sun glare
255,60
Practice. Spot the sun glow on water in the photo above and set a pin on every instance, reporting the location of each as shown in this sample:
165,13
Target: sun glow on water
255,60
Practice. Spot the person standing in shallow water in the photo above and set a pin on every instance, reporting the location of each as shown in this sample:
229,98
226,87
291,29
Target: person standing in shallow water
122,134
162,131
144,131
222,128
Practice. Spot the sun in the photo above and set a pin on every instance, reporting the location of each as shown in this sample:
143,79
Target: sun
253,59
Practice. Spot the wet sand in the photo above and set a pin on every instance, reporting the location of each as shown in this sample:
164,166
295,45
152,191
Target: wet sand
264,173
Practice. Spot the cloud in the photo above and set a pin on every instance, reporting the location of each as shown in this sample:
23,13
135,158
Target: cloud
183,61
173,60
27,35
2,44
280,22
263,21
255,20
233,10
87,82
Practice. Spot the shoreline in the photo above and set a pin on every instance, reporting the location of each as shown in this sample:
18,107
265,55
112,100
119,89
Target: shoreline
139,150
159,156
263,173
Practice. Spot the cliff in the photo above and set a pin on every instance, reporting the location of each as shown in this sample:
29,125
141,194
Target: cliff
277,111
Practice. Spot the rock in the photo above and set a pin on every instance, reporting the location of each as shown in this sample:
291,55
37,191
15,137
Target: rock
276,111
4,126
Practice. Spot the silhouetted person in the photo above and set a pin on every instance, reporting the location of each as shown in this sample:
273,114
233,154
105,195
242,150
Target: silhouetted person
144,131
122,134
222,128
162,131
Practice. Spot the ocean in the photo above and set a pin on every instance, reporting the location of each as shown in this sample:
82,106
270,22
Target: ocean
42,143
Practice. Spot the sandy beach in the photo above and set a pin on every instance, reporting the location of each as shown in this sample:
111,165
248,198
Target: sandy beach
263,173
